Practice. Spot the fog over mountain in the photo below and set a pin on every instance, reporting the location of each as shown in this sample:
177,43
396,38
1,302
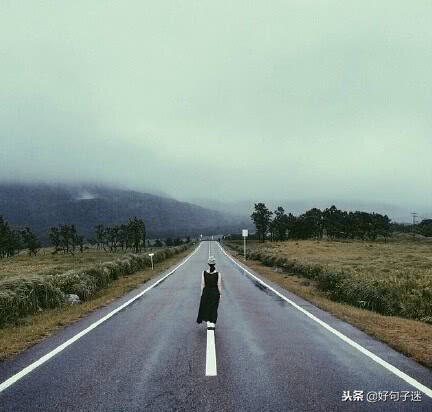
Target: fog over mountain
397,213
231,101
41,206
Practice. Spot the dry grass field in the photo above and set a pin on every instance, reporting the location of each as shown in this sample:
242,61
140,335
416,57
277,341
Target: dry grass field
45,262
393,279
27,331
46,281
392,259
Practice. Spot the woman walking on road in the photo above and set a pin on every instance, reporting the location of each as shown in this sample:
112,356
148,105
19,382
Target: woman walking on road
210,294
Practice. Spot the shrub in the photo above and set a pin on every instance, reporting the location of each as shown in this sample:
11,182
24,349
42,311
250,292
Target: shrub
23,295
406,294
100,274
330,282
113,268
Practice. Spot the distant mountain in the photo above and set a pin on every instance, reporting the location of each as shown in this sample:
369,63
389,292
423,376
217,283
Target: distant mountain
41,206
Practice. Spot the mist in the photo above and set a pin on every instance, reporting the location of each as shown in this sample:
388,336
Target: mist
224,101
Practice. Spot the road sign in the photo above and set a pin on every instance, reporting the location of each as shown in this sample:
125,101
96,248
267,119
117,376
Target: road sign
151,258
245,234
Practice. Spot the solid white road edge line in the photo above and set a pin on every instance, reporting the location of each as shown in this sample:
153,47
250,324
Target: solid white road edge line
211,368
13,379
377,359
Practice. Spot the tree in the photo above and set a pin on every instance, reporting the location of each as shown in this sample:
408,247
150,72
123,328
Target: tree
72,237
80,242
137,233
384,228
261,218
100,236
30,241
272,230
301,228
314,223
124,237
55,238
158,243
66,238
425,227
333,222
10,240
280,224
169,241
112,236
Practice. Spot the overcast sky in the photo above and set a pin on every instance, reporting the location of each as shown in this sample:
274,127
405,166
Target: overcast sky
221,99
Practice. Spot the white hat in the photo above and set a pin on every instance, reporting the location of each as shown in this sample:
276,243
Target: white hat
211,260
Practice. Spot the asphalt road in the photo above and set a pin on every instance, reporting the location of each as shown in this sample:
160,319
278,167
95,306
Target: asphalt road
270,356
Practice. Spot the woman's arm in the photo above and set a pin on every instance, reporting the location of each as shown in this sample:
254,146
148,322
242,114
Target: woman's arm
220,284
202,282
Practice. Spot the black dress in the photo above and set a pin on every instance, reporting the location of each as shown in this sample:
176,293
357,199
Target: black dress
209,299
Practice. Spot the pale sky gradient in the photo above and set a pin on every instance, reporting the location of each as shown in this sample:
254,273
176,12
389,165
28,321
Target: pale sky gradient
224,99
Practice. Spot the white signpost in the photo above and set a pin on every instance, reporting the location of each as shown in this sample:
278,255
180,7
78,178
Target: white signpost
151,258
245,234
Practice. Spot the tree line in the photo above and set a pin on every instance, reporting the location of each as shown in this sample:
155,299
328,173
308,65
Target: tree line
314,223
65,238
425,227
13,241
130,236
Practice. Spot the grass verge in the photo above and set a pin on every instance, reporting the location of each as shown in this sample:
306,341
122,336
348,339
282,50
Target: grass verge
396,287
32,329
26,294
410,337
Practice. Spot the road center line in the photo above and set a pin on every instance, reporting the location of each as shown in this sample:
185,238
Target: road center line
377,359
13,379
211,368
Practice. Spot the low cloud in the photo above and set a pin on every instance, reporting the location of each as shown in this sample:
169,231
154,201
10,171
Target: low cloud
219,100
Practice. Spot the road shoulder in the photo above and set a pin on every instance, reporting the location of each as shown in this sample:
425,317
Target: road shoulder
382,335
15,339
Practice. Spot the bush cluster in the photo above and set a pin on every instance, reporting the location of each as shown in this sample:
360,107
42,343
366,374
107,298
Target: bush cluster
23,295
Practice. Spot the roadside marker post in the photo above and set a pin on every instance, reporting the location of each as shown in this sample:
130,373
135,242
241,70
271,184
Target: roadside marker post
151,258
245,234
